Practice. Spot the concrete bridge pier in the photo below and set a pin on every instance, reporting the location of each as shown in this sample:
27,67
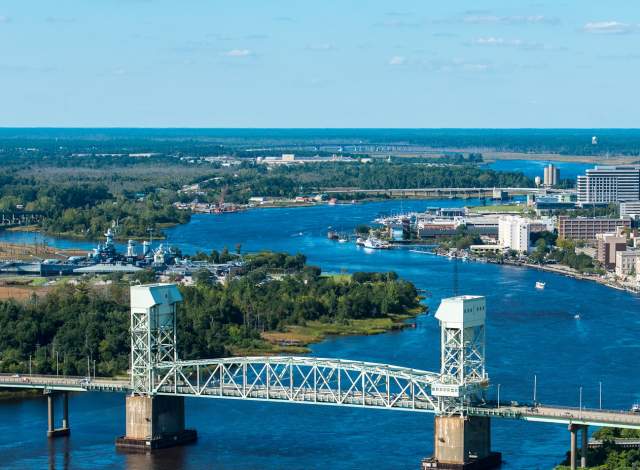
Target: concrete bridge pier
462,443
154,422
52,431
573,458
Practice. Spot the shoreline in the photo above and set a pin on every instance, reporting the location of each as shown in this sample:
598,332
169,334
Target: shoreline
555,269
297,339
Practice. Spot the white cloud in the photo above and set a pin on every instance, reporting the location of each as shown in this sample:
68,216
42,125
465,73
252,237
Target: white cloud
502,42
238,53
608,27
397,60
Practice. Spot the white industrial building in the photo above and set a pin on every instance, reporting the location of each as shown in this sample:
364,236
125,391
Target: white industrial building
513,233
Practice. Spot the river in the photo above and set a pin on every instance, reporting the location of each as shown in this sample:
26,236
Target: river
528,333
533,168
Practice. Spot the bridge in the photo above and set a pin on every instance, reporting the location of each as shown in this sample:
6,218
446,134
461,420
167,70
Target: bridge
159,381
441,192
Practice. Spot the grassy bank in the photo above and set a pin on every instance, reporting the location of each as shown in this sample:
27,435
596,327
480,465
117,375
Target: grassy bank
296,339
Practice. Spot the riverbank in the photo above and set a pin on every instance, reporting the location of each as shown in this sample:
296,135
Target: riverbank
297,339
552,268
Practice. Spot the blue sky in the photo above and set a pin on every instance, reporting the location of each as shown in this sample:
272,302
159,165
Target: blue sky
329,63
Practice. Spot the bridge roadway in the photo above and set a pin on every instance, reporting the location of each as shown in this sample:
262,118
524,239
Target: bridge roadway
436,191
402,399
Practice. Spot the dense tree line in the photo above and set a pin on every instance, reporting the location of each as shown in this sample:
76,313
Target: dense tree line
296,180
75,322
88,209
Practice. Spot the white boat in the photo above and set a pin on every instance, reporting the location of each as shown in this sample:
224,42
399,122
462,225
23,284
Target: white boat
342,240
360,241
375,244
576,316
540,285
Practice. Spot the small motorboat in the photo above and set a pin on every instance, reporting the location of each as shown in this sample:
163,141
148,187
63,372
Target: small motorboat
576,316
540,285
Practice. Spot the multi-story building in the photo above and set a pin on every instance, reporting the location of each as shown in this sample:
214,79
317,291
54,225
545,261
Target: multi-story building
609,244
586,228
513,233
551,175
605,184
630,209
626,262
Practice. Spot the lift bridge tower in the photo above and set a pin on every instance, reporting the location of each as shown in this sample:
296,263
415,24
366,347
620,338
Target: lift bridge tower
153,421
462,440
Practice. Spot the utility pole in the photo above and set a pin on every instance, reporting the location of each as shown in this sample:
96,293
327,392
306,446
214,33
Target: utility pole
88,368
580,402
600,390
29,364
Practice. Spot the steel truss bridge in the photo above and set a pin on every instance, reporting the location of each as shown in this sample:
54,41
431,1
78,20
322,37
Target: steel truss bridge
318,381
457,390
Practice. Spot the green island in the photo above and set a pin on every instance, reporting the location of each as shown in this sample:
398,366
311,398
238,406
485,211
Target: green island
279,304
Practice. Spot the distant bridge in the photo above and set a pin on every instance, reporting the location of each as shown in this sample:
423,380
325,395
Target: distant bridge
437,192
159,381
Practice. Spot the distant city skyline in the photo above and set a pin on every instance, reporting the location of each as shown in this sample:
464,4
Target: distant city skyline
156,63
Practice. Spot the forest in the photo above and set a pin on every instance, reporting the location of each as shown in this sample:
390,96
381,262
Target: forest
76,322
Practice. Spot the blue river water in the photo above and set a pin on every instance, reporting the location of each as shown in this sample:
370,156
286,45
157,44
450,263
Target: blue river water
529,333
533,168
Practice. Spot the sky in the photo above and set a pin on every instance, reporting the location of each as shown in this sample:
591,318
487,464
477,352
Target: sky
320,63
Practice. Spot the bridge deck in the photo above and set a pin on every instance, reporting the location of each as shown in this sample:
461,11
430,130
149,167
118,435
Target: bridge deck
409,396
563,415
64,383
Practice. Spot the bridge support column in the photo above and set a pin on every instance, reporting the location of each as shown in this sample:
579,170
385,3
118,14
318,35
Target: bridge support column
573,457
462,442
154,422
584,448
52,431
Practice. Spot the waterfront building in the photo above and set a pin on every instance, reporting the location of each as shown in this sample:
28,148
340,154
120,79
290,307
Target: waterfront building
608,245
630,209
551,175
626,262
606,184
513,233
586,228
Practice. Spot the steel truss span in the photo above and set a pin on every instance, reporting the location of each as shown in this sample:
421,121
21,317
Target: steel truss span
299,380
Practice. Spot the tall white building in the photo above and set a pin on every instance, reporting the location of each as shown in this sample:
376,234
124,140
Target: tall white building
513,233
605,184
